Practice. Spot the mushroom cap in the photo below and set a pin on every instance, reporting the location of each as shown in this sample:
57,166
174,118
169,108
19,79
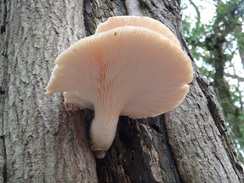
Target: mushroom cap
132,70
146,22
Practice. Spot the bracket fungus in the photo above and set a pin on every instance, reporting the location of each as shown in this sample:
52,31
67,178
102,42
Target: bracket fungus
132,66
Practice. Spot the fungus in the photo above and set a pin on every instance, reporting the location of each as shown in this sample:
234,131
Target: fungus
127,70
137,21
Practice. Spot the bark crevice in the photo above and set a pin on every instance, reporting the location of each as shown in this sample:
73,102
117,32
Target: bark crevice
4,170
4,19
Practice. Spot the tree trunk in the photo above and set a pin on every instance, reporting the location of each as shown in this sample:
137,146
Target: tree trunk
41,142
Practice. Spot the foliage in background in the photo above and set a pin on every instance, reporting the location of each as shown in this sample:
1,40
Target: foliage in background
216,45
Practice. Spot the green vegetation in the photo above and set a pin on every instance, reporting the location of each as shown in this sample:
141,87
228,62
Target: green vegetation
218,45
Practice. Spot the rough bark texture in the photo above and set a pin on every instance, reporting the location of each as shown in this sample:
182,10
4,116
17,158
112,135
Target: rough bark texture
41,142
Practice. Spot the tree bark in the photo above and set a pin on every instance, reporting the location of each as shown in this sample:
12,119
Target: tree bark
41,142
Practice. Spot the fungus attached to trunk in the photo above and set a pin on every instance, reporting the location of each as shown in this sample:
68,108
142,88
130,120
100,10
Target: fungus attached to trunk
127,69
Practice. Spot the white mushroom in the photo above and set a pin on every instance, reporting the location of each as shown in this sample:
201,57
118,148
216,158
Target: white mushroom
128,70
146,22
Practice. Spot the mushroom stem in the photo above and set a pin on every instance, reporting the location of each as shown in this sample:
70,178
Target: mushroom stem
103,130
